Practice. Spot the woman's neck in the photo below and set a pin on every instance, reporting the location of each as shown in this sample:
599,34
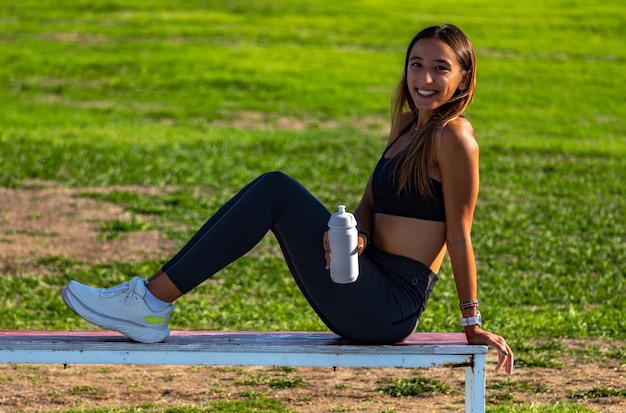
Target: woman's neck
423,118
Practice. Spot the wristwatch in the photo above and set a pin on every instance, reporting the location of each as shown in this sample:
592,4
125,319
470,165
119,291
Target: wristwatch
472,321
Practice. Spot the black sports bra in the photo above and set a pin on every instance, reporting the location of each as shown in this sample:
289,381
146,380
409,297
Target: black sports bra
409,203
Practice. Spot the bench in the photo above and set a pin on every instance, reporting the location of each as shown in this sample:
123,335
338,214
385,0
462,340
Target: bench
218,348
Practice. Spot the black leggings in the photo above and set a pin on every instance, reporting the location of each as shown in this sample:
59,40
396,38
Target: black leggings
382,306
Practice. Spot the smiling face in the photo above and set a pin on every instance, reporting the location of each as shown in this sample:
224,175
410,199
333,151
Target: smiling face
433,75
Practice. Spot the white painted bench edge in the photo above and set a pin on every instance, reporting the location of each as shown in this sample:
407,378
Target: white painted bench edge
221,348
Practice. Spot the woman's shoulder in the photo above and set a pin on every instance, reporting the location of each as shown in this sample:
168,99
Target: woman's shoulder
457,133
455,143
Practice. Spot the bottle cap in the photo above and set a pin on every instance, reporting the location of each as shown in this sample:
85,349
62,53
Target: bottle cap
342,219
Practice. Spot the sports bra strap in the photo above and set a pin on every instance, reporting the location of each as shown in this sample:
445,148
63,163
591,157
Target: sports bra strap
402,132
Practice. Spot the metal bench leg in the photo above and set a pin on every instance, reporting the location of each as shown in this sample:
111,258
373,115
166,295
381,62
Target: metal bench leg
475,385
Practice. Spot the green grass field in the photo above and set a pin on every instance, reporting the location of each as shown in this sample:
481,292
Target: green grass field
150,93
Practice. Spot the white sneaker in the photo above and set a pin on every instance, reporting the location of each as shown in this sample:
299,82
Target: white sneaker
121,308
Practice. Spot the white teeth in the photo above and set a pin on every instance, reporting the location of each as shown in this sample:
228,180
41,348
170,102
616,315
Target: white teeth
425,92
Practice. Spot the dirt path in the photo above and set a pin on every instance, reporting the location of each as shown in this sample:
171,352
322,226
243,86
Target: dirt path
46,220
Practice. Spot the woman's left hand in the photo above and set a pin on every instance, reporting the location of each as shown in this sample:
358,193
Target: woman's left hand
476,335
326,250
359,248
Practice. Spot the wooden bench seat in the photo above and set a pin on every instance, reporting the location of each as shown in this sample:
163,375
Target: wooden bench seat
220,348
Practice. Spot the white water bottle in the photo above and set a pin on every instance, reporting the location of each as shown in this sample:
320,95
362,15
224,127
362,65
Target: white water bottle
343,238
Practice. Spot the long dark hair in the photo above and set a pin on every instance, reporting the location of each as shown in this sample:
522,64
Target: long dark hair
414,161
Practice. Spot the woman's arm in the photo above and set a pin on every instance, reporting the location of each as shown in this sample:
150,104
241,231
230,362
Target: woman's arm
457,158
364,214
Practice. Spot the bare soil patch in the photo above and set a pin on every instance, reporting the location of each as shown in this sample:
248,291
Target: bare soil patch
255,120
45,220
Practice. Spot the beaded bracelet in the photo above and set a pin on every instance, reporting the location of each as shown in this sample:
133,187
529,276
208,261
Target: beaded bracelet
465,305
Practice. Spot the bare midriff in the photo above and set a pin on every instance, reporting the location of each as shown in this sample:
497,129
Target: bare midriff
418,239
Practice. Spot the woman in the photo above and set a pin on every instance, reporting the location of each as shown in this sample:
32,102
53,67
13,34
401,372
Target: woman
418,202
